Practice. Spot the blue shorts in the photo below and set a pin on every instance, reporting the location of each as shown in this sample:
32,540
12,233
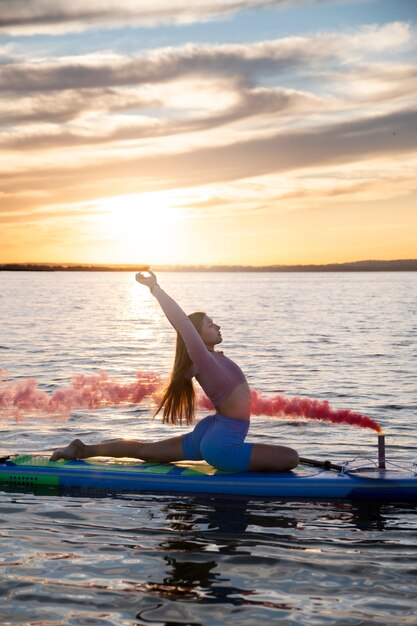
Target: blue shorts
219,440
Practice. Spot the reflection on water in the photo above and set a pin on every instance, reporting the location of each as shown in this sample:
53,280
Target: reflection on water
189,560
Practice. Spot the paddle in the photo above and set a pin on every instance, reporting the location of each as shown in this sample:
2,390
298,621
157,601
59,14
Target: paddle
327,465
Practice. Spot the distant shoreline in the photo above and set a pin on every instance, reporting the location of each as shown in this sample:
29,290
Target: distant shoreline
409,265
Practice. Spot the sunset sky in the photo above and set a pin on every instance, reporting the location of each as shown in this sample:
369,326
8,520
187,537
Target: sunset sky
208,132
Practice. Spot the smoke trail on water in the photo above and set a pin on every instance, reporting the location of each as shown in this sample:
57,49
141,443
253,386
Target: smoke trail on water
85,392
280,406
99,390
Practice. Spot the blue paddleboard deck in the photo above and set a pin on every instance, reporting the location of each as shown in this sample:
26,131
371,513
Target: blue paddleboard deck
37,474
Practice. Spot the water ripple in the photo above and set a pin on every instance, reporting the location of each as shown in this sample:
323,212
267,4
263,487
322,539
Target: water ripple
159,560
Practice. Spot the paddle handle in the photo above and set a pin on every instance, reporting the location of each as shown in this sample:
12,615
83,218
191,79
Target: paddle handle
324,464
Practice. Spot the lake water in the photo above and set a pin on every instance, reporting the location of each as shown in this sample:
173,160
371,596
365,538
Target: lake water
183,560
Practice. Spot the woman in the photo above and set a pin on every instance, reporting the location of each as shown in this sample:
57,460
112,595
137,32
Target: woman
219,438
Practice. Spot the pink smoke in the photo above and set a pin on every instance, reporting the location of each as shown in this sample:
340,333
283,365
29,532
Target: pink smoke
280,407
99,390
85,392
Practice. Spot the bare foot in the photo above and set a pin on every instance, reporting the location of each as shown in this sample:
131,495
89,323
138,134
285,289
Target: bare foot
74,450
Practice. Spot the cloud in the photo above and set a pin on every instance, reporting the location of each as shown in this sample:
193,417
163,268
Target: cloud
72,104
106,124
383,136
55,17
49,131
305,189
111,70
106,98
249,61
33,216
374,82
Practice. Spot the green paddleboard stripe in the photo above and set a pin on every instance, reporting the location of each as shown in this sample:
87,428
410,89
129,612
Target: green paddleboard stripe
121,466
28,480
159,469
38,461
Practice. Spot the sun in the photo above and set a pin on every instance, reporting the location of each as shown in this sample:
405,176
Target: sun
144,227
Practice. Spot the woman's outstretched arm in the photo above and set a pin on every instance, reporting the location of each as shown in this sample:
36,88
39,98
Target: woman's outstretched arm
196,347
172,310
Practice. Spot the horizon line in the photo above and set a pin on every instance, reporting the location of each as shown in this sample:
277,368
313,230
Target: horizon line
365,265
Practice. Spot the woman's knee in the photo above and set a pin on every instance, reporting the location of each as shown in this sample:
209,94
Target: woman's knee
293,458
289,457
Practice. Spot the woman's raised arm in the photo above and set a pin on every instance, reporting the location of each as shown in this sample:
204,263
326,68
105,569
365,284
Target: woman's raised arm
196,347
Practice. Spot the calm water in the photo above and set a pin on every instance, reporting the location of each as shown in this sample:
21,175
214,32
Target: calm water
161,560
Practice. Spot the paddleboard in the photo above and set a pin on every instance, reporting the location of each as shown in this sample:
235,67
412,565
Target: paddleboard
37,474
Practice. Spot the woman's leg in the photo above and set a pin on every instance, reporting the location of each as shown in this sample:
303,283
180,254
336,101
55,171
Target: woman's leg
270,458
180,448
163,451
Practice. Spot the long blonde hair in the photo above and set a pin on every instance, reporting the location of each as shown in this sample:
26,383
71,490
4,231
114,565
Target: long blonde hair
178,401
